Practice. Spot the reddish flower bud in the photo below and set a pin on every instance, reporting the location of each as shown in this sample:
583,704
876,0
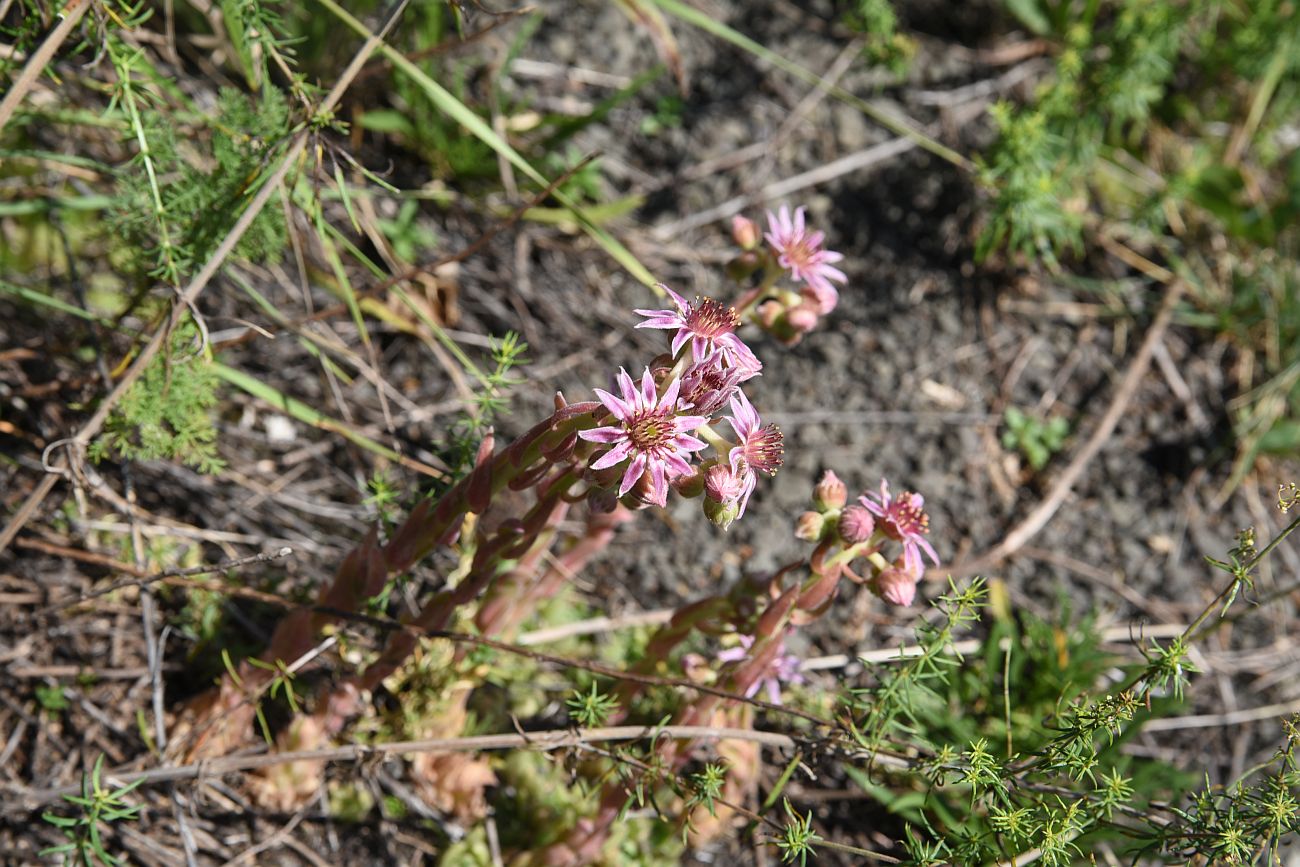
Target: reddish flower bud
809,526
602,501
896,585
723,490
856,525
689,485
744,232
802,318
830,492
722,484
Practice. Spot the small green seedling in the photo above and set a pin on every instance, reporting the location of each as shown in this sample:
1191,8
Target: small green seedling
99,806
1033,438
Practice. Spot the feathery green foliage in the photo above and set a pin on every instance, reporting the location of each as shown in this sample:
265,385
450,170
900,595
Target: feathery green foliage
166,414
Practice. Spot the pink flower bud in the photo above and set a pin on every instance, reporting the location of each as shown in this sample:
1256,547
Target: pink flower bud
722,484
769,312
809,526
822,298
895,585
856,525
772,317
745,232
803,318
830,492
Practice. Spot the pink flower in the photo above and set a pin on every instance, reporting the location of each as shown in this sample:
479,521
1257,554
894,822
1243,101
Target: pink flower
784,668
708,325
649,432
707,385
904,520
800,251
761,448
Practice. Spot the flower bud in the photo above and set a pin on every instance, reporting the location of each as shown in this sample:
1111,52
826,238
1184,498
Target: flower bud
690,485
823,299
741,267
723,515
802,318
770,311
809,526
897,584
745,232
602,501
830,492
856,525
722,485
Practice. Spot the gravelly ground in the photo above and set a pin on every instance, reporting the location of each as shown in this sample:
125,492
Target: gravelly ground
907,379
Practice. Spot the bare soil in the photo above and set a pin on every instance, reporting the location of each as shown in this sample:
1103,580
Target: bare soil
907,380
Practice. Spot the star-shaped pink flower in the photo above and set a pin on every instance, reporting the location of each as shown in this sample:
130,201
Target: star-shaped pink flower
903,519
800,251
649,434
709,326
758,448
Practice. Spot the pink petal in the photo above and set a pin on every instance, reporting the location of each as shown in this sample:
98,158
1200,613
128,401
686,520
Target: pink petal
625,386
687,443
634,472
603,434
682,304
647,389
674,462
660,319
925,546
658,485
669,399
613,457
616,407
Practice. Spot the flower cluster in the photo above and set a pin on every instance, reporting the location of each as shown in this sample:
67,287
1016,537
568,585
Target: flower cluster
660,424
863,529
792,250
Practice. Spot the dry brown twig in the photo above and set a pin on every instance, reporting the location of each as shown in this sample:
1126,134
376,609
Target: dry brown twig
19,799
1064,484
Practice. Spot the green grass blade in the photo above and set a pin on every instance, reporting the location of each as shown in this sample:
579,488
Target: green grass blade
698,19
306,414
34,297
462,114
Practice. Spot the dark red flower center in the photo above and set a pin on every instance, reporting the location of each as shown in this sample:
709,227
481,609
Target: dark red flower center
708,318
906,517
